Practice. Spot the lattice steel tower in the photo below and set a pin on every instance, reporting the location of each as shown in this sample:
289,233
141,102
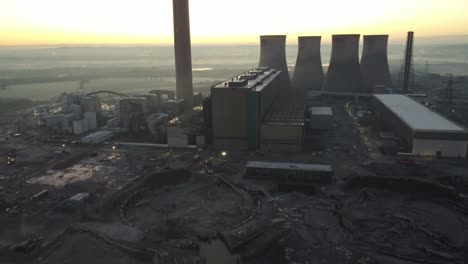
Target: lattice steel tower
407,67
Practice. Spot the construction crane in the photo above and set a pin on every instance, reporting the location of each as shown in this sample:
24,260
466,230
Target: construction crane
407,66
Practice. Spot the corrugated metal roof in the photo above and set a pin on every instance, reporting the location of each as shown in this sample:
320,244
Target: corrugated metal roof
99,134
416,115
286,109
289,166
79,197
321,111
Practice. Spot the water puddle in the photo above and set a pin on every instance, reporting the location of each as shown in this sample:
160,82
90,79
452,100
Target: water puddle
216,252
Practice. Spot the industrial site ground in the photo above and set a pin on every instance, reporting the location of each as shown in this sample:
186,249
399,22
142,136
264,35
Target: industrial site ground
160,205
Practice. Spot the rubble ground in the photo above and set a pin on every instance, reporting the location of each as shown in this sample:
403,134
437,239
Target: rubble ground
157,205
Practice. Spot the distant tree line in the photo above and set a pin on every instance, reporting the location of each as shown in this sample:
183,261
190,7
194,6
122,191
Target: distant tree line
11,104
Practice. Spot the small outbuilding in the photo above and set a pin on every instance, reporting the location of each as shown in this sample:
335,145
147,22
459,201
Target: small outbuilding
321,118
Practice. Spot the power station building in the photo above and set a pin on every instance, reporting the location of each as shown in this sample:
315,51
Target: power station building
308,73
239,105
79,115
273,55
375,71
90,104
425,132
344,73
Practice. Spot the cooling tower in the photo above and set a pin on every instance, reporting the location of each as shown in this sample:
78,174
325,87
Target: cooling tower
273,55
183,53
374,63
308,74
344,73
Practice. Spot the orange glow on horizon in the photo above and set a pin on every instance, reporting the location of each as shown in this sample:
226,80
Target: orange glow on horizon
55,22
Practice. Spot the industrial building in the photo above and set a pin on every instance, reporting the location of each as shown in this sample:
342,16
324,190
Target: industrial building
186,130
76,110
61,123
344,73
273,55
197,99
90,104
79,115
153,102
308,73
239,105
173,106
425,132
91,119
375,73
136,111
167,94
321,118
283,127
132,109
68,100
258,109
80,126
155,123
208,119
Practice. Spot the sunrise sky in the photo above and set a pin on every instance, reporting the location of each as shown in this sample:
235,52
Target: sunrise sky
31,22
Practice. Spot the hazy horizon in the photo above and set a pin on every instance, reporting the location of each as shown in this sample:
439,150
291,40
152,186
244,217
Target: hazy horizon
424,40
43,72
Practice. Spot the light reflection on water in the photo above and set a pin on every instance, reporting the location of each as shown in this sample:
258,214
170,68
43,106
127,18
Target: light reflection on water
202,69
216,252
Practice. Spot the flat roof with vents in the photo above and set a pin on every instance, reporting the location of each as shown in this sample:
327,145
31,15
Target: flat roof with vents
417,116
254,79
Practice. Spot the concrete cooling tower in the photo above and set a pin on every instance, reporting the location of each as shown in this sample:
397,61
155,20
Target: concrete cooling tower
374,63
273,55
344,72
308,73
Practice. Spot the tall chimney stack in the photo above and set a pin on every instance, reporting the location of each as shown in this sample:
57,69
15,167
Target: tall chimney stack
183,53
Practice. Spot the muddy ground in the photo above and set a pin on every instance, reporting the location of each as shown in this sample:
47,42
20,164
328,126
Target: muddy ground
171,206
169,217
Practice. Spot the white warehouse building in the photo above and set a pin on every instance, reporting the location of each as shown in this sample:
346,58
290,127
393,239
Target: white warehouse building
426,133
